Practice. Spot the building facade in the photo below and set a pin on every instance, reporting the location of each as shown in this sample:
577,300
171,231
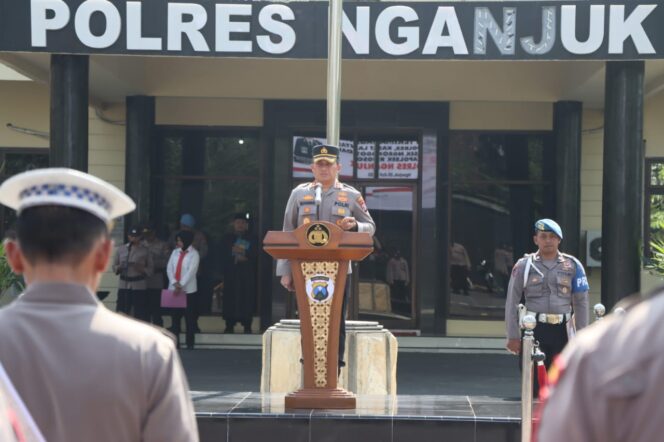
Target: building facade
461,123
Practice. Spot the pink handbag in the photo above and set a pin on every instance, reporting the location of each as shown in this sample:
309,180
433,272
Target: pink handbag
173,299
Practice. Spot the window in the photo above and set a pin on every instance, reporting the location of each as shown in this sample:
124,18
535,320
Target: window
653,229
12,162
499,186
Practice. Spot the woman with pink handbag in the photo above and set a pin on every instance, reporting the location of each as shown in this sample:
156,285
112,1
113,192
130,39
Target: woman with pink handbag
181,270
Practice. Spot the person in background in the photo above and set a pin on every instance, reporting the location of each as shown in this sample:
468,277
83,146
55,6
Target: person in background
503,259
459,268
239,257
200,243
160,253
84,372
181,270
398,276
133,264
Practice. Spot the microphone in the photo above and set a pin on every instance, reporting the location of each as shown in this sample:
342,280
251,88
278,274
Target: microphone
319,197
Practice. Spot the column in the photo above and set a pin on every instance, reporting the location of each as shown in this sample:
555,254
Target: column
139,138
69,111
622,196
567,134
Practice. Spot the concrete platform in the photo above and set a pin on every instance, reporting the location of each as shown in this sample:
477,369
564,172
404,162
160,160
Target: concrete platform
248,417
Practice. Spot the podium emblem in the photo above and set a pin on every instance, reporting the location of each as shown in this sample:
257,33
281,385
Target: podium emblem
318,235
320,288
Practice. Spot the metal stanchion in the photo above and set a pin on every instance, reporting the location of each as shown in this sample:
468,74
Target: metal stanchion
599,310
528,323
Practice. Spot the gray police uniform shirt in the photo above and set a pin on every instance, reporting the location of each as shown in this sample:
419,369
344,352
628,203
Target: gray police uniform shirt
338,202
86,373
608,381
560,288
160,254
133,262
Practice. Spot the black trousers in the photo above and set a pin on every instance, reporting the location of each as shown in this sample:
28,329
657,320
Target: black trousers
459,278
552,340
141,305
125,301
154,307
189,314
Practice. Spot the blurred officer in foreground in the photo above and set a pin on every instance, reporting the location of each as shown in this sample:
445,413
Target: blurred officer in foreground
340,204
85,373
555,289
607,384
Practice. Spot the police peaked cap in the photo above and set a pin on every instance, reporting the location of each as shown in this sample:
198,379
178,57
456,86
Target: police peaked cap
325,152
548,225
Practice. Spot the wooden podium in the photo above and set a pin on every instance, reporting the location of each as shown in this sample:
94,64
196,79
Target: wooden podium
319,255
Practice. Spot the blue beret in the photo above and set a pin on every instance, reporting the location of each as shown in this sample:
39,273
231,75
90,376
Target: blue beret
549,225
188,220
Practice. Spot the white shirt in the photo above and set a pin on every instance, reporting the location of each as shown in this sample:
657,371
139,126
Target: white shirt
189,269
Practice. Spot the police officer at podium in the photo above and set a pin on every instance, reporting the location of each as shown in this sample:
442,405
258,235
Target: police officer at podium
326,199
555,289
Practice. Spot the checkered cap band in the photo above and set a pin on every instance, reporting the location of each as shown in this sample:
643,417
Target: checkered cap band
66,191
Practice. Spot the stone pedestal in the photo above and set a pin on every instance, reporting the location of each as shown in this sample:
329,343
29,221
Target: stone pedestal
371,359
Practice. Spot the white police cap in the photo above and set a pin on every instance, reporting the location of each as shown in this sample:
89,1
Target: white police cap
65,187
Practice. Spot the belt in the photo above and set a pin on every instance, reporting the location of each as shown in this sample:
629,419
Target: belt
551,318
132,278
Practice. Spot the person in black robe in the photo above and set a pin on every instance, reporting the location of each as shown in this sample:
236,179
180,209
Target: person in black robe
239,256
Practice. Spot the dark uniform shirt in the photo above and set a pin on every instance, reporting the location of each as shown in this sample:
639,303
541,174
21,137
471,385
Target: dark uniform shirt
338,202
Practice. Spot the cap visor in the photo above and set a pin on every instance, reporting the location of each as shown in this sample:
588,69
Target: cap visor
329,159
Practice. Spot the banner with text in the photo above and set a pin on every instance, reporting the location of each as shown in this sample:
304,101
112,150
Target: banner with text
509,30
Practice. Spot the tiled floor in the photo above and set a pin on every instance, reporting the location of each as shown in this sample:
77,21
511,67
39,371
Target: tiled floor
254,417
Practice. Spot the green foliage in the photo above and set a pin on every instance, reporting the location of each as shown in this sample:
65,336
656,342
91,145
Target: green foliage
8,278
656,264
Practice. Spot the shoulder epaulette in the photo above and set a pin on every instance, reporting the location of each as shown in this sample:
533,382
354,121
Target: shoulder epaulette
347,187
573,258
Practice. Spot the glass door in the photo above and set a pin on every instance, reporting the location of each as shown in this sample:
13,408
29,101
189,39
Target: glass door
383,282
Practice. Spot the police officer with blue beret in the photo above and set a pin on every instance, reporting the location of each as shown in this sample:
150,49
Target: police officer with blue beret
555,290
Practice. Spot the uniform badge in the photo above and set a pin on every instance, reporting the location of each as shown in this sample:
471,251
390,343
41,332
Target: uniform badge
343,194
306,220
361,203
320,288
563,290
308,197
307,209
341,211
567,265
343,199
